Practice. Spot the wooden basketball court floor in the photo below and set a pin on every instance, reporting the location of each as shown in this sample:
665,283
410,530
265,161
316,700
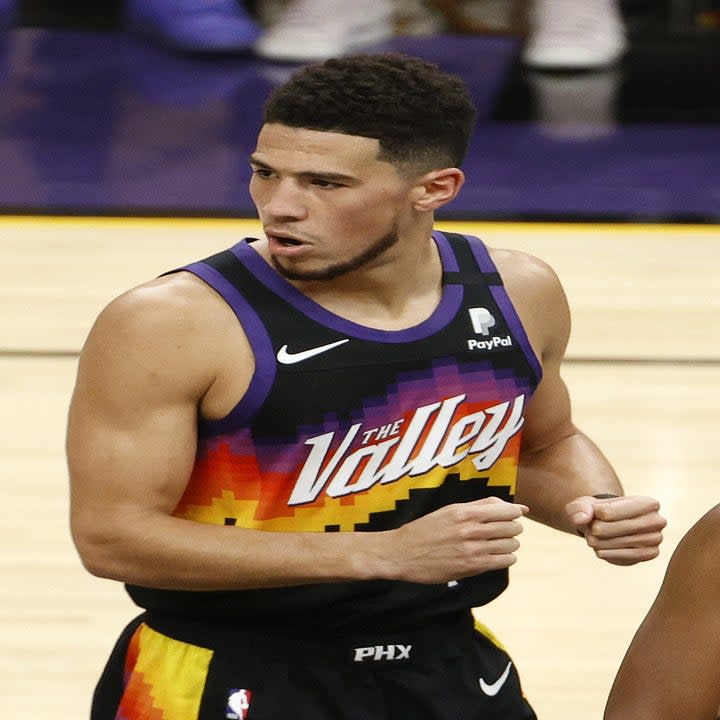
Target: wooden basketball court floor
643,367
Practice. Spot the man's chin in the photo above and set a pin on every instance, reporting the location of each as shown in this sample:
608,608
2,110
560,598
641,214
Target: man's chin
295,273
331,272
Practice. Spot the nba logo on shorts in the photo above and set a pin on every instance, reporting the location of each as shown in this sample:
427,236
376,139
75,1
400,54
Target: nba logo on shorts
238,704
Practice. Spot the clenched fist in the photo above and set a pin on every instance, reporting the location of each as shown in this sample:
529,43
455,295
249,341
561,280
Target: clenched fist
455,542
621,530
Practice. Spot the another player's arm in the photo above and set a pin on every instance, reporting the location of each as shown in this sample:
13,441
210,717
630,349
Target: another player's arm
672,667
150,364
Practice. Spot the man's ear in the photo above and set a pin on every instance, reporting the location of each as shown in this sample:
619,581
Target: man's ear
437,188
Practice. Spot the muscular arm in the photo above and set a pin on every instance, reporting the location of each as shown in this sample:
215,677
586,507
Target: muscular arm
558,462
560,467
145,370
672,667
151,363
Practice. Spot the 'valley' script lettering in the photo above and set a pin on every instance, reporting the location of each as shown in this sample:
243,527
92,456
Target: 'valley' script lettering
448,439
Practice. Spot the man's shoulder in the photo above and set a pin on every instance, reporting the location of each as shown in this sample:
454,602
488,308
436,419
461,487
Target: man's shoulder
512,262
706,531
695,561
162,309
167,293
525,276
538,297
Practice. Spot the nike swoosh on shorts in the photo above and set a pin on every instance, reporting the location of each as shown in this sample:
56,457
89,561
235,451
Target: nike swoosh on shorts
493,689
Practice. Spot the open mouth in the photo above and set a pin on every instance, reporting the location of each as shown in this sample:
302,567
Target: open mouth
285,240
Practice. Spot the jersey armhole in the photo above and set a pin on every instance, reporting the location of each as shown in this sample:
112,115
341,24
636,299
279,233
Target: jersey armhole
260,344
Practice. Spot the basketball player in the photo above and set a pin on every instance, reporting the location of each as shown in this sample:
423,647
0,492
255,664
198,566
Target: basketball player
308,456
671,667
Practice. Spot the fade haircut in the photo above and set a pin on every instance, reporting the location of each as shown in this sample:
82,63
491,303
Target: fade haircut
422,116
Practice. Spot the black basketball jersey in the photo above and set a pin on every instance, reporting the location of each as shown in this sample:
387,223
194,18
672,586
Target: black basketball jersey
346,428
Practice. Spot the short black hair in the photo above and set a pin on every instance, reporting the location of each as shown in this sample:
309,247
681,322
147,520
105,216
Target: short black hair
422,116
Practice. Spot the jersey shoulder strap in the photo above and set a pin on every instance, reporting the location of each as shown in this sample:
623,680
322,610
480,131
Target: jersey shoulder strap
475,267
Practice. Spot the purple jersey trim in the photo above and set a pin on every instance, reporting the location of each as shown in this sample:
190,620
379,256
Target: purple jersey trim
447,308
485,263
264,374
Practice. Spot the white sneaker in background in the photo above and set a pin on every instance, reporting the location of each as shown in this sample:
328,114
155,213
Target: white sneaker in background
311,30
579,106
574,34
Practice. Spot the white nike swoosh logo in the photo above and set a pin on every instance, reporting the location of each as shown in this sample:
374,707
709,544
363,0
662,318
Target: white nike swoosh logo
493,689
288,358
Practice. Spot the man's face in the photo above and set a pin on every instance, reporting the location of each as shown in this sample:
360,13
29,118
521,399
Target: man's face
327,204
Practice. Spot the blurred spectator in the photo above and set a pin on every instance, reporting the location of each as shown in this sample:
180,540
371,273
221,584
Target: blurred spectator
561,34
7,12
195,25
574,34
486,17
311,30
300,30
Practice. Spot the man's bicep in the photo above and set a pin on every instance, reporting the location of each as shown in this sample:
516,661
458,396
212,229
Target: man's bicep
145,458
132,425
548,418
539,298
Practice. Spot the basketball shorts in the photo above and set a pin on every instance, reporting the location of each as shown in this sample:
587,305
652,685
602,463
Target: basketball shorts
170,669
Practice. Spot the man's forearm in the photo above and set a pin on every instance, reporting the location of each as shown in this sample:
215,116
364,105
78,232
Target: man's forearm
551,477
178,554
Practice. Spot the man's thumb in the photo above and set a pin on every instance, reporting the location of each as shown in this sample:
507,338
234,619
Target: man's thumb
581,511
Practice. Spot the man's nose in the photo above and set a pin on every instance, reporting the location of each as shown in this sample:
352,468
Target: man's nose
285,200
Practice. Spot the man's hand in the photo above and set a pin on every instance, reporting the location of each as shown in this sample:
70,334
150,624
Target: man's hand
455,542
622,530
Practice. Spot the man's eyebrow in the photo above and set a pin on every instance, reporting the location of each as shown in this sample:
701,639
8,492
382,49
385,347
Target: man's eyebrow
255,160
319,174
